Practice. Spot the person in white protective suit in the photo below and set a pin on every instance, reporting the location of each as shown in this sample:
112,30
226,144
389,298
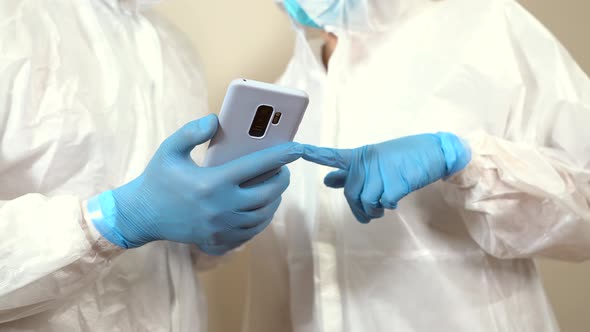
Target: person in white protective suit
88,90
458,254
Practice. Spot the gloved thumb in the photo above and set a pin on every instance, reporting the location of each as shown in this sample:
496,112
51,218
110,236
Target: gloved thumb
456,151
336,179
194,133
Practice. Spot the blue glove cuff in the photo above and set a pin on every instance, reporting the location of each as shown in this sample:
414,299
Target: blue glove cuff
456,151
103,213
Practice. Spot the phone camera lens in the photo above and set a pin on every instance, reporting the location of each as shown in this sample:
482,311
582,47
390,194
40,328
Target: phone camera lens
276,118
261,119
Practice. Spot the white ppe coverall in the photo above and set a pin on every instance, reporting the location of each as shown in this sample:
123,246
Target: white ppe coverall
88,90
456,255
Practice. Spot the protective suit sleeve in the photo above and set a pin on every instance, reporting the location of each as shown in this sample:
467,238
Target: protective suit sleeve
527,193
49,251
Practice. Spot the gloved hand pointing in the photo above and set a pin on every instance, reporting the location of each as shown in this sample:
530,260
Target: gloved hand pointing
176,200
377,176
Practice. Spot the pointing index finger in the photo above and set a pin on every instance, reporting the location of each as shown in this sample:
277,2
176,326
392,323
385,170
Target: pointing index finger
338,158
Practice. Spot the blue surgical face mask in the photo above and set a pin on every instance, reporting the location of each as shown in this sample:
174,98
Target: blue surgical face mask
298,14
326,14
351,15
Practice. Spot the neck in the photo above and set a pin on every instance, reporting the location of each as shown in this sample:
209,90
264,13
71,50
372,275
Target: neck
330,43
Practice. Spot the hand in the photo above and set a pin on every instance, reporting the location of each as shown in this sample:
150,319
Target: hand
176,200
376,177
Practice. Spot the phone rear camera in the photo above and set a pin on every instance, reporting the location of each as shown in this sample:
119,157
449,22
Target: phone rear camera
261,120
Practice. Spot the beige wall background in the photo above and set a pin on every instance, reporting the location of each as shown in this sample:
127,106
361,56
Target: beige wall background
252,38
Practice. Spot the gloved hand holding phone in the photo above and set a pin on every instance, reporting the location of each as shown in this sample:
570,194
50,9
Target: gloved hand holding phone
176,200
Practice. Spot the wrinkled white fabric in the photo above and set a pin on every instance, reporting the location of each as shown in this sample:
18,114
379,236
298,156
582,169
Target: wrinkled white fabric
88,91
135,5
457,255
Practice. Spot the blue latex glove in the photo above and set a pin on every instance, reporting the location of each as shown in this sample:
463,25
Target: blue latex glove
176,200
376,177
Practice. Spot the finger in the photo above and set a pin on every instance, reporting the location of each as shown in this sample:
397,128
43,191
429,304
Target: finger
352,191
372,192
258,222
262,194
456,151
252,219
336,179
251,232
194,133
260,162
338,158
396,187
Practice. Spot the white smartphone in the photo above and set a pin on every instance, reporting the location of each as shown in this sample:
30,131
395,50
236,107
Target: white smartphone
255,116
